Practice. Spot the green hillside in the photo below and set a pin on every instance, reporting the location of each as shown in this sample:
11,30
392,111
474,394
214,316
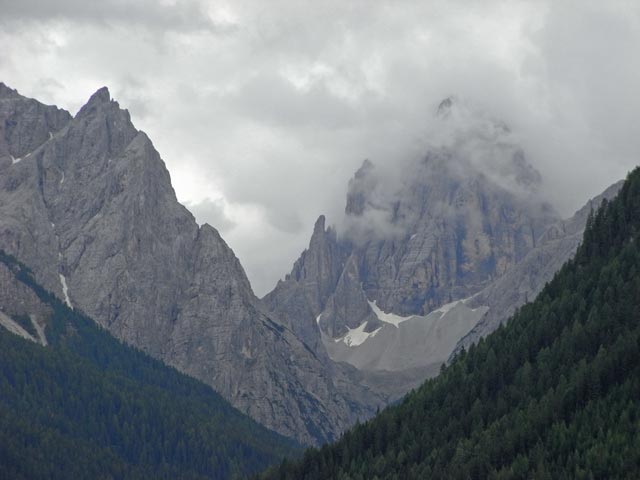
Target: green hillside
88,406
555,394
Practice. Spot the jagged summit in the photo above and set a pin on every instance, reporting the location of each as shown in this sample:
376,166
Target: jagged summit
101,95
319,225
99,101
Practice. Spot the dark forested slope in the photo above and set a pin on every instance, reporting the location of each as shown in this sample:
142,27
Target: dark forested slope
89,406
553,394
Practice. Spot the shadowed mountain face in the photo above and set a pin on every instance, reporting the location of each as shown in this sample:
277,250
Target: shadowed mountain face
87,203
464,226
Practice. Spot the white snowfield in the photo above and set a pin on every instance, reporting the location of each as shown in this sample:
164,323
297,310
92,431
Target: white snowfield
396,320
391,318
357,336
65,291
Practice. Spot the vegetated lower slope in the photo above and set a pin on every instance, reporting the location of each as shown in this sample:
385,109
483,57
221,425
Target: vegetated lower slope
89,406
553,394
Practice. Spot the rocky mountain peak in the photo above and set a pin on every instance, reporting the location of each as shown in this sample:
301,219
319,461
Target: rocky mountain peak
319,227
101,95
101,103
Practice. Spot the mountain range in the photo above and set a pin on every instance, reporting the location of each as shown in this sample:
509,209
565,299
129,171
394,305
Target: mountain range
421,266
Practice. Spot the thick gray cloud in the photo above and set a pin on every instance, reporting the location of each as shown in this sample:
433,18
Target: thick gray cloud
263,110
166,15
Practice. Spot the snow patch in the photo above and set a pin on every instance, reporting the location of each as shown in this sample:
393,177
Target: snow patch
391,318
65,291
318,318
62,179
396,320
357,336
50,135
15,160
447,307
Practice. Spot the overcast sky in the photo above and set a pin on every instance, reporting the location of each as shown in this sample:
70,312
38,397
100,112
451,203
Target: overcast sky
262,110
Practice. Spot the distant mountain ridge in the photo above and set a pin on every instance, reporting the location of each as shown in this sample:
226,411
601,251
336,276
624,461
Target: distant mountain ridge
87,203
463,226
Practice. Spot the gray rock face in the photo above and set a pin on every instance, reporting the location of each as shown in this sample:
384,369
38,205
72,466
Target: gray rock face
452,233
443,229
17,300
91,210
26,124
301,297
348,307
